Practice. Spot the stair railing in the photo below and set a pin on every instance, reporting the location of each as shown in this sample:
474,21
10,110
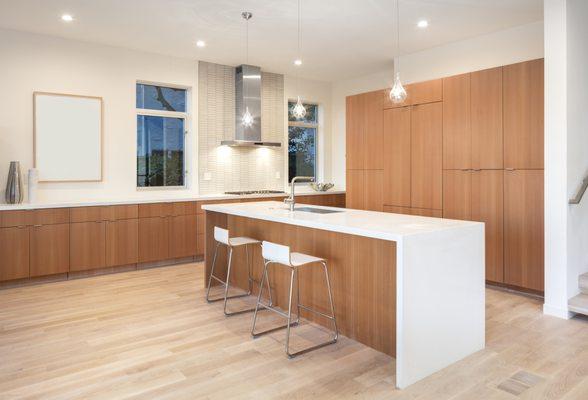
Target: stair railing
578,197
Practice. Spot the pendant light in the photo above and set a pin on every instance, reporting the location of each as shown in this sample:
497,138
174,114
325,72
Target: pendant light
298,111
397,93
247,118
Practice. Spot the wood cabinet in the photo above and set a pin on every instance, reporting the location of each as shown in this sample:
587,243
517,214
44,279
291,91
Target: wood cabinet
426,156
49,253
397,144
14,253
423,212
374,190
153,239
365,131
486,119
87,245
523,229
183,236
523,115
355,184
478,196
457,142
417,93
122,242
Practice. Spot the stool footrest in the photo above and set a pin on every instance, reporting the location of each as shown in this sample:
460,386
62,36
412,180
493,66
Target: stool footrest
228,297
318,346
277,328
316,312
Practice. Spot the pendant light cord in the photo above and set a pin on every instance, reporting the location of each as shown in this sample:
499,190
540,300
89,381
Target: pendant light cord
299,56
397,63
247,41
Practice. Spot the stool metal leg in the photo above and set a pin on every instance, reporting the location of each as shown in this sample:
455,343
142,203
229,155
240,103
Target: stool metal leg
292,274
331,301
227,286
224,283
212,275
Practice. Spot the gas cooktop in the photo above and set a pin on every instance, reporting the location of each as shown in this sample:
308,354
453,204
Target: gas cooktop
244,192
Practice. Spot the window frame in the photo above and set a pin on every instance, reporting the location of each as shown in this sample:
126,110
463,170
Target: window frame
317,141
185,116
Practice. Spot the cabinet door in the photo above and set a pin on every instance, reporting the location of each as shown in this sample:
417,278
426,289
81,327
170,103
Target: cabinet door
426,212
523,115
87,246
397,160
355,189
374,186
523,229
426,157
153,239
355,131
487,207
183,236
374,131
49,249
14,253
426,92
122,242
457,194
486,117
457,135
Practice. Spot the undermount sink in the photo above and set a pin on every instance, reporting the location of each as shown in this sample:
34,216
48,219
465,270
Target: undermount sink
316,210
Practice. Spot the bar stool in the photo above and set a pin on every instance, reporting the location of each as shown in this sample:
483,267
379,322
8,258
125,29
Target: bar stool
222,238
278,254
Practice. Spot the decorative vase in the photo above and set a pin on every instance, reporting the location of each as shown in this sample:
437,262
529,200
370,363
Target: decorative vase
33,180
14,184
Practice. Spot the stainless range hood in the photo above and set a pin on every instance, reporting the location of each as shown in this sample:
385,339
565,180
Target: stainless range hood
248,95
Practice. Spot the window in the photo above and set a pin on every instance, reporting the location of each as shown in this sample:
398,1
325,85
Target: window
161,128
302,141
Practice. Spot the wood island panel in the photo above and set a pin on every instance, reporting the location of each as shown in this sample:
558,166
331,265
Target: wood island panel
362,273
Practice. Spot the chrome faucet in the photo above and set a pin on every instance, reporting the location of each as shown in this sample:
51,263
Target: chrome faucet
290,200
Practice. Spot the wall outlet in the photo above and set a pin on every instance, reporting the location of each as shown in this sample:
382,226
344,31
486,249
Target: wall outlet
207,176
278,175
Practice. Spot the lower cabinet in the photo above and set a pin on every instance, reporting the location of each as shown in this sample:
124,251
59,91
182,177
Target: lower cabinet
49,252
14,253
523,229
122,242
87,246
183,236
153,239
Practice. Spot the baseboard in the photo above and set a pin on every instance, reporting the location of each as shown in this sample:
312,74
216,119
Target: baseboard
557,312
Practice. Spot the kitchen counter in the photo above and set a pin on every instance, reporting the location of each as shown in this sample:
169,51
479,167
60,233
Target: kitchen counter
409,286
159,198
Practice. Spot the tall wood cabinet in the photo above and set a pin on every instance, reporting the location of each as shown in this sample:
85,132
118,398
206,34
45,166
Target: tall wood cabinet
467,147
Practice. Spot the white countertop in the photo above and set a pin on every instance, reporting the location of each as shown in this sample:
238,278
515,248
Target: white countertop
373,224
155,199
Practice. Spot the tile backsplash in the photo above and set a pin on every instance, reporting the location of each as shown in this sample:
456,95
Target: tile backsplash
234,168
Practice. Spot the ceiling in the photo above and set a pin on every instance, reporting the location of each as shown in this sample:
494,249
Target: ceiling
341,39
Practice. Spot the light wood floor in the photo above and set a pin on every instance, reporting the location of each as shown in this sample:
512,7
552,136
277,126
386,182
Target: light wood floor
150,335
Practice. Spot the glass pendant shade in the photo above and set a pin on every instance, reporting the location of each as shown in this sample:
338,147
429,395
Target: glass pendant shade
299,111
397,93
247,118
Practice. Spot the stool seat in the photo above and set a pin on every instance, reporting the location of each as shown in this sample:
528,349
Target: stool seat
242,241
299,259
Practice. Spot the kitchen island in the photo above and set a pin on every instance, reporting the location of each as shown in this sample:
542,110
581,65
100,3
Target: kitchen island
409,286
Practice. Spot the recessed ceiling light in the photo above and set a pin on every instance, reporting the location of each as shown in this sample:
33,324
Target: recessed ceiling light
298,62
66,18
200,43
423,23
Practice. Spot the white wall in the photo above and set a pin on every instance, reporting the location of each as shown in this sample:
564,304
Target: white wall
500,48
32,62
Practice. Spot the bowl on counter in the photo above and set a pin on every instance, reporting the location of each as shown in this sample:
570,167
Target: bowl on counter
321,187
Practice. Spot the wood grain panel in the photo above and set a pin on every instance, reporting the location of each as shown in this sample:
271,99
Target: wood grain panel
457,194
397,161
426,212
120,212
183,208
155,210
200,244
374,190
374,131
426,92
397,210
355,132
426,156
457,138
88,214
51,216
122,242
182,236
15,218
153,238
87,246
488,207
14,253
486,119
355,189
362,273
523,115
49,249
523,229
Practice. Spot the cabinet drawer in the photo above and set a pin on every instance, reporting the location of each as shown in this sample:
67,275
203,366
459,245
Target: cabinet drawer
183,208
155,210
15,218
87,214
51,216
121,212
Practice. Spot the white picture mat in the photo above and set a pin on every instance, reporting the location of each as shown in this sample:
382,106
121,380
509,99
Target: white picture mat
68,137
